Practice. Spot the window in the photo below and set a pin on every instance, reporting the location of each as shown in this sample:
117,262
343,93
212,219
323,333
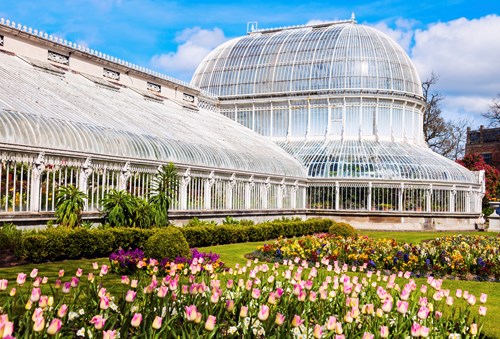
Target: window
487,158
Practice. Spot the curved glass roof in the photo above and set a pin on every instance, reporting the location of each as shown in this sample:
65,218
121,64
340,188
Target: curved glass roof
353,159
72,113
335,57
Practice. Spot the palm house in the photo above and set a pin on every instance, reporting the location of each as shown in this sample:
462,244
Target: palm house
321,120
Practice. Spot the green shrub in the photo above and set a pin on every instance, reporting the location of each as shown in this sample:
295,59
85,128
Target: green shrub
199,236
342,229
195,222
130,238
10,237
34,247
167,243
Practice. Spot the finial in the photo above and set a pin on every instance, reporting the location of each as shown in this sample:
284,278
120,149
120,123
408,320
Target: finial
353,17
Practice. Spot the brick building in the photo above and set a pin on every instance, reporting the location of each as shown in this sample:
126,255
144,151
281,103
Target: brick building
485,141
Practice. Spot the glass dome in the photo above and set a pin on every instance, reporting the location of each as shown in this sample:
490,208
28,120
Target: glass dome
333,57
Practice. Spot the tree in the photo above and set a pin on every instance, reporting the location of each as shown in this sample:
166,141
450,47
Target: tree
444,137
493,114
69,206
163,190
118,207
475,162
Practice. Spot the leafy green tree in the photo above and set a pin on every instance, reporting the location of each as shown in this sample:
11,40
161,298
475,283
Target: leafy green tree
69,206
142,214
118,207
163,191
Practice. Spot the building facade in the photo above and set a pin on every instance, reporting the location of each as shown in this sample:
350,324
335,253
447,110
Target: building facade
485,141
321,120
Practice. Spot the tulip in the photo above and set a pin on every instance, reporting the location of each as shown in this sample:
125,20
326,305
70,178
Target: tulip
244,311
109,334
297,321
318,331
198,318
66,288
214,298
157,323
6,327
162,292
90,277
280,319
61,273
384,332
459,293
424,331
471,300
133,283
98,322
13,292
449,301
39,324
210,323
473,329
136,319
104,303
191,312
415,329
61,313
482,310
37,313
45,280
21,278
330,323
104,270
3,284
229,305
423,312
130,296
483,298
44,301
402,306
35,294
74,282
34,273
387,306
263,313
338,328
256,293
368,335
438,315
95,266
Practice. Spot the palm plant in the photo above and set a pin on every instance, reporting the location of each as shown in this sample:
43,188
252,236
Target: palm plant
163,190
142,214
118,207
69,206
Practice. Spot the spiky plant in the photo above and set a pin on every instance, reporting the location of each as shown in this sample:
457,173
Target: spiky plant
163,190
69,206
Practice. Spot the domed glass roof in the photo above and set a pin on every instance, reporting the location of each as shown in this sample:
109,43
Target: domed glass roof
334,57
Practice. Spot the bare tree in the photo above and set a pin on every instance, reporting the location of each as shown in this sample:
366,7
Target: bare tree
444,137
493,114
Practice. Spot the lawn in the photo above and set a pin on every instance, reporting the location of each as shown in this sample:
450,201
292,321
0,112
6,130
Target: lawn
235,253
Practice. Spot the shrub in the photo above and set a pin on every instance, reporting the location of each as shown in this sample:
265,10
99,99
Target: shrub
69,206
342,229
167,243
34,247
10,237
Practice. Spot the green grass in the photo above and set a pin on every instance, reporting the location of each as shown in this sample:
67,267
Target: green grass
235,253
416,237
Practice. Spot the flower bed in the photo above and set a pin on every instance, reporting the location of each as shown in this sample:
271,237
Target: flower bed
282,301
459,255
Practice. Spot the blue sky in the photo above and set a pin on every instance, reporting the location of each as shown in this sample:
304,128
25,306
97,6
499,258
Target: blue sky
458,40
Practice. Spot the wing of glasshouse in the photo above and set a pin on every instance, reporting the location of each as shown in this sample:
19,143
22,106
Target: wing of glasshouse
312,120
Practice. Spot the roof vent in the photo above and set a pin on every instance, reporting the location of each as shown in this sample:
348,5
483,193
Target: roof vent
59,58
43,66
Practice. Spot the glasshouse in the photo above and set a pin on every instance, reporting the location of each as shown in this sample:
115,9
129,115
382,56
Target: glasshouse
320,120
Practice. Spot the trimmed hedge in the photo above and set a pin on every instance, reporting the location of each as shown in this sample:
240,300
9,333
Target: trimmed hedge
59,243
167,243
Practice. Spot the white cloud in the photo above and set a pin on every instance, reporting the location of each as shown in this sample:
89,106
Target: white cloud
194,44
465,54
402,32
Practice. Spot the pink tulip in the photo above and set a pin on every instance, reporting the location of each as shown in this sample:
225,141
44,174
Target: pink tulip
99,321
415,329
191,312
483,298
162,291
318,331
133,283
459,293
471,300
39,324
136,319
423,312
263,313
66,288
95,266
214,298
21,278
35,294
384,332
13,292
297,321
74,282
368,335
90,277
3,284
44,301
387,305
210,323
449,301
109,334
438,315
256,293
34,273
402,306
338,328
229,305
130,296
61,273
230,284
79,272
37,313
157,322
104,303
330,323
473,329
280,319
6,327
198,318
424,331
104,270
61,313
482,310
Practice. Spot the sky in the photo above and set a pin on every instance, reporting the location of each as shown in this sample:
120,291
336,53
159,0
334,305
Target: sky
458,40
